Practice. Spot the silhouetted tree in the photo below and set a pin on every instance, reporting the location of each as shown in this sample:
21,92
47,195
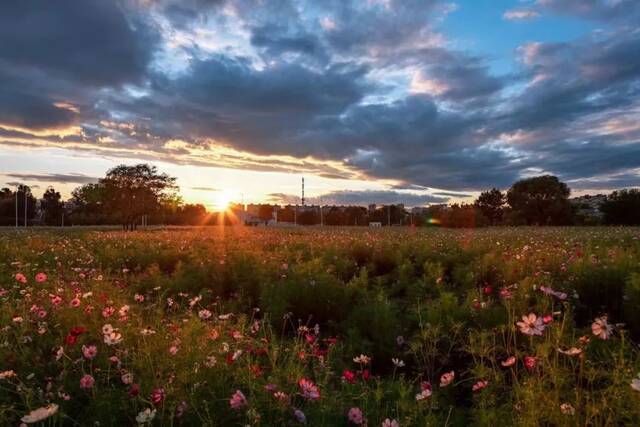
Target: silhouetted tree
491,203
133,191
622,207
52,207
542,200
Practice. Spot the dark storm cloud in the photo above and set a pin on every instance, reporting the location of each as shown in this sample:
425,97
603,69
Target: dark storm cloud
73,178
277,40
362,198
53,52
91,41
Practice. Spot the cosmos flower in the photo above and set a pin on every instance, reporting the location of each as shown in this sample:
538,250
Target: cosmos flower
89,351
480,385
299,416
41,277
548,291
238,400
355,416
362,359
21,278
349,376
425,391
510,361
146,416
635,383
567,409
40,414
531,324
530,362
87,382
601,328
157,395
573,351
447,378
398,363
309,389
390,423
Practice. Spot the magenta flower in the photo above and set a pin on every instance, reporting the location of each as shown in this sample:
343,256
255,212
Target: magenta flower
87,382
355,416
238,400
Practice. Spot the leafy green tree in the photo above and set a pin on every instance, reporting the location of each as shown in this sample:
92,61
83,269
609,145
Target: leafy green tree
542,200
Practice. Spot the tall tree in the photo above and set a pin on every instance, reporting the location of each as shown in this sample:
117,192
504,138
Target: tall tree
622,207
541,200
491,203
52,207
133,191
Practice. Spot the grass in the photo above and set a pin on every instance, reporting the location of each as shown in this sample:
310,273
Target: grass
202,313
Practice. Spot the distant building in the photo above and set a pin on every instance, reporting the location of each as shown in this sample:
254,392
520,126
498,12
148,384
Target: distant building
375,224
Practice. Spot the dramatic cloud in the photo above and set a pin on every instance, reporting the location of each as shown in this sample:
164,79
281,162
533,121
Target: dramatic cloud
379,90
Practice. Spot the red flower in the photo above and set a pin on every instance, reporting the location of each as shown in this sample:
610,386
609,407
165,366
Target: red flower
366,374
310,338
349,376
134,390
157,395
530,362
71,339
78,330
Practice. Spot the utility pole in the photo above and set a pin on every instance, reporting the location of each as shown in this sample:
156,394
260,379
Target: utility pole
321,218
389,215
25,207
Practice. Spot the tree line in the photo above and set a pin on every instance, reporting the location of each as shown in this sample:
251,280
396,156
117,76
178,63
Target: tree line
140,194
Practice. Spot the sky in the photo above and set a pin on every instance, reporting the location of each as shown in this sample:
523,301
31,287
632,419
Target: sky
371,101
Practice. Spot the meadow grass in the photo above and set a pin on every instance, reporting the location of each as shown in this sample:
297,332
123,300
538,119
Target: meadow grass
320,326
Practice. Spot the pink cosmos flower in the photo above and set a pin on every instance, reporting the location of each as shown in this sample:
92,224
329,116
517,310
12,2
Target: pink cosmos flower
601,328
108,312
447,378
238,400
355,416
390,423
509,362
309,389
89,351
87,382
480,385
41,277
21,278
425,391
531,324
75,302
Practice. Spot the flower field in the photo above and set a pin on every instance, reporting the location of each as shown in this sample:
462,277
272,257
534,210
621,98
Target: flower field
321,327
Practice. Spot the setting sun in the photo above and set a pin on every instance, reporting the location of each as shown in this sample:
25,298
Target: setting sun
222,200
